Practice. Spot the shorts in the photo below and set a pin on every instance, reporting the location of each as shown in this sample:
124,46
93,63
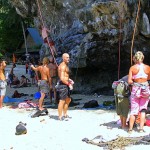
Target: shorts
63,91
137,104
3,84
44,86
54,82
10,76
122,106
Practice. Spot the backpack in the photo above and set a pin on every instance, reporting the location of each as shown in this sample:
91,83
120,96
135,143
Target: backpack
91,104
122,89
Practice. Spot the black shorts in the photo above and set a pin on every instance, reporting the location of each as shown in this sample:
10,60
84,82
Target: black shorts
63,91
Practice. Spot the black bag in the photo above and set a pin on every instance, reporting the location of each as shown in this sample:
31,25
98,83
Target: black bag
91,104
21,129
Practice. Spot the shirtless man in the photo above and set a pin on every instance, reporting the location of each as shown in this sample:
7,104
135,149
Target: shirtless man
44,85
53,73
64,87
3,83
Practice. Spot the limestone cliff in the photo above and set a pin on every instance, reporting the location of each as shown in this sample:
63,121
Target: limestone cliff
89,31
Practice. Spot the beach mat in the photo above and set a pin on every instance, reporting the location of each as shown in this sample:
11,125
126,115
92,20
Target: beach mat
12,100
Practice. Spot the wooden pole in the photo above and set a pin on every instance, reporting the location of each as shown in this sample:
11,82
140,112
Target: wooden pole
24,35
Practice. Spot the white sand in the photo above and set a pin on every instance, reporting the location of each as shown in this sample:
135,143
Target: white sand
52,134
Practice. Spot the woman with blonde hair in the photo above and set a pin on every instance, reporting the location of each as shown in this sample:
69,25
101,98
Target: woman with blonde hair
140,93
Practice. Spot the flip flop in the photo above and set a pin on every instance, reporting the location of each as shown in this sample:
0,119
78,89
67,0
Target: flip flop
44,111
67,117
141,131
130,131
37,114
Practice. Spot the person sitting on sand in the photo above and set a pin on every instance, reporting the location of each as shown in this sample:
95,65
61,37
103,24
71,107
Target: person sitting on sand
15,80
23,82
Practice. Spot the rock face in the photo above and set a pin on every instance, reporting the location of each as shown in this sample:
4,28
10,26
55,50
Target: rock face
92,31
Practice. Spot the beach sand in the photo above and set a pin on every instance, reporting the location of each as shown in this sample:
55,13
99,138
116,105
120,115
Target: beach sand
48,133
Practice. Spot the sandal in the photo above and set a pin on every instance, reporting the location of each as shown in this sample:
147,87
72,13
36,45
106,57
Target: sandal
37,114
130,131
44,111
67,117
141,131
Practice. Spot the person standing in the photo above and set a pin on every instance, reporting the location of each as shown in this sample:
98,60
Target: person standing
54,75
138,78
11,74
3,82
27,67
64,86
121,93
44,84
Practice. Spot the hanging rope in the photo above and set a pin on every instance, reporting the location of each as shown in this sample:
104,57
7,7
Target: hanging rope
53,14
120,26
137,16
41,17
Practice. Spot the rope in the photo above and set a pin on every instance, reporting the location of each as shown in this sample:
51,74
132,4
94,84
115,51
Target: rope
47,36
53,15
120,23
135,25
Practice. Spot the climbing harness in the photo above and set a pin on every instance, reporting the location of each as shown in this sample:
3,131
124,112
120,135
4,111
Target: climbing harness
43,25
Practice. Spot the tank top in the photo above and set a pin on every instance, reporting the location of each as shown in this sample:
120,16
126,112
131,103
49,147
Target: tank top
141,73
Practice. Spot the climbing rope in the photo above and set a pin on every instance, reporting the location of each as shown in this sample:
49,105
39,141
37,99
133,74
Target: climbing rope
135,25
53,14
41,17
120,26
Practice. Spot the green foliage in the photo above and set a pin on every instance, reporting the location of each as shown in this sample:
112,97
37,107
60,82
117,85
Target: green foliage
10,27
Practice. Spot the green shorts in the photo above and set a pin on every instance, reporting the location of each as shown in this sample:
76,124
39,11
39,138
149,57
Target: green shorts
122,106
